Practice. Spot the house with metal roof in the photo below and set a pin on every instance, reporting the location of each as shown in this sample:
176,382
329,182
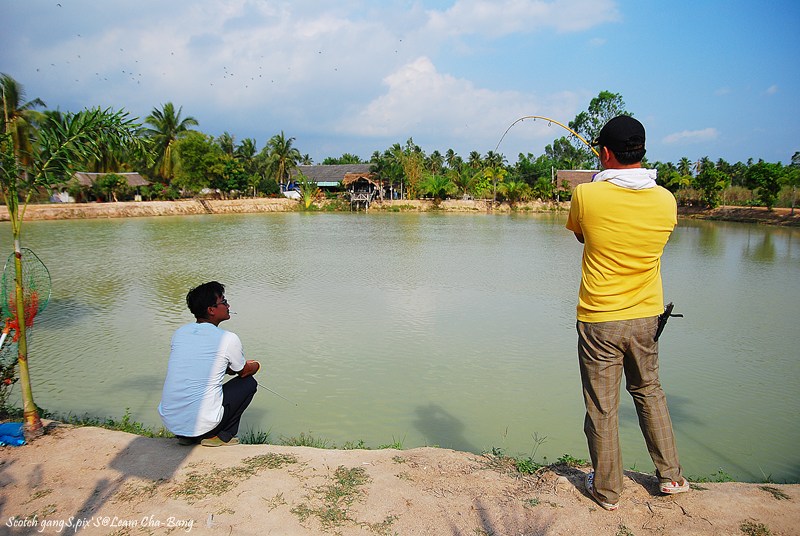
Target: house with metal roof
331,176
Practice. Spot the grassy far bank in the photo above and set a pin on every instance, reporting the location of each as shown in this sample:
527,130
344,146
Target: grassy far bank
55,211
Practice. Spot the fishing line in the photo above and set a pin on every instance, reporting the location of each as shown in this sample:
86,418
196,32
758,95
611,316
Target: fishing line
274,393
549,123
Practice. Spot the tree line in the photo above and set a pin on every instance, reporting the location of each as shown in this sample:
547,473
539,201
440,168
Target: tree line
181,161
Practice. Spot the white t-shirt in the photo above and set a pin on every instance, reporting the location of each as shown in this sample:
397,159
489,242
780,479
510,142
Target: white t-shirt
191,402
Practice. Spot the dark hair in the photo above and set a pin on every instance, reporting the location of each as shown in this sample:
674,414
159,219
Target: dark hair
200,298
627,158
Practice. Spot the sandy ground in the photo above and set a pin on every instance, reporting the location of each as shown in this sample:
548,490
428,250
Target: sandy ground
97,481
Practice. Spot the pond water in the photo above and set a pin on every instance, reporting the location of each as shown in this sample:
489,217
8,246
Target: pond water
424,329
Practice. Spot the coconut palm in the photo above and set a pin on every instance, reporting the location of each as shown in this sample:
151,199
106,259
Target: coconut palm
685,166
437,186
515,191
281,157
474,160
226,143
465,180
166,127
19,117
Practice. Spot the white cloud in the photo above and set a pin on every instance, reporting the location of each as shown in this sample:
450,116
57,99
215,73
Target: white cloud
421,100
772,90
501,17
692,136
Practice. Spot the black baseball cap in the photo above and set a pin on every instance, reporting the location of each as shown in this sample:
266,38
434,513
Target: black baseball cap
621,134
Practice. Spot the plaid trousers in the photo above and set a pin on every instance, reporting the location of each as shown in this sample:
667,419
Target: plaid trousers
605,350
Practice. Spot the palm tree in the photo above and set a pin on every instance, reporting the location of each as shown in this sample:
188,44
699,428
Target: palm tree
435,162
451,158
465,180
685,166
516,191
226,143
19,117
166,128
437,186
282,158
475,161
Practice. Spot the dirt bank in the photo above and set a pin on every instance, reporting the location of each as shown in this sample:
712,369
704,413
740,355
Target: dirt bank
58,211
121,484
776,216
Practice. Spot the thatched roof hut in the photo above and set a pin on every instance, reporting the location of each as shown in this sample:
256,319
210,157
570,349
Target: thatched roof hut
88,179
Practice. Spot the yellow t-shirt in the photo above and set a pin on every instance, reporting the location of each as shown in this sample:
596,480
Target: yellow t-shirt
624,233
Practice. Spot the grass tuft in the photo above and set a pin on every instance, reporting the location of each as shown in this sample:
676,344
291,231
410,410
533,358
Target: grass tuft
335,498
255,437
199,485
778,494
751,528
304,440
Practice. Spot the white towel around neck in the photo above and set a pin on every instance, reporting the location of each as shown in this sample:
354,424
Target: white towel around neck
631,178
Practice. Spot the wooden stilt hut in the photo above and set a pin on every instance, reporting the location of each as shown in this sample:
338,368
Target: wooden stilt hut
363,189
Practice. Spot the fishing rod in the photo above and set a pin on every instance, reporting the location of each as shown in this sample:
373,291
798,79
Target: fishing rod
549,122
274,393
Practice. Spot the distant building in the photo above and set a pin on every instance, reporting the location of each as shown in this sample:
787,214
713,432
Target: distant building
575,176
86,179
331,177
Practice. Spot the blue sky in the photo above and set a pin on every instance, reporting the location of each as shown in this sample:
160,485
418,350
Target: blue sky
707,78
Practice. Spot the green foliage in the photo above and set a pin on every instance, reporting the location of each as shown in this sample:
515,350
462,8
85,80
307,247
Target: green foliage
346,158
438,187
279,158
304,440
255,437
515,192
126,424
110,186
527,466
766,180
165,128
160,192
571,461
309,191
711,182
396,444
719,476
332,501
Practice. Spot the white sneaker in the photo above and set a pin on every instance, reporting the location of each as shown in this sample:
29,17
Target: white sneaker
671,488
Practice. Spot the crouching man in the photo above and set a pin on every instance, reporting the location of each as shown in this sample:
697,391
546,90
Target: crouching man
196,405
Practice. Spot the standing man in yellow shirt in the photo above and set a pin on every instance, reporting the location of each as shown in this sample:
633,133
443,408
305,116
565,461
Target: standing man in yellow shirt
624,220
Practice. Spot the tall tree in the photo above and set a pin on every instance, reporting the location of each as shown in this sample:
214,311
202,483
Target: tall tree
602,108
793,176
685,166
166,127
766,180
19,117
281,157
226,143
